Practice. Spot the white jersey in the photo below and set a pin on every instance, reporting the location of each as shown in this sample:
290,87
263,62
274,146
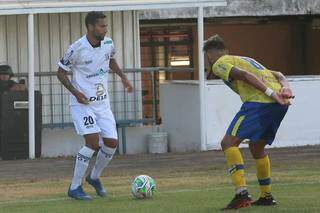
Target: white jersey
90,68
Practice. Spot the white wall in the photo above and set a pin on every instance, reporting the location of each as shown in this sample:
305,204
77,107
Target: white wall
221,106
180,115
179,107
60,142
301,125
65,142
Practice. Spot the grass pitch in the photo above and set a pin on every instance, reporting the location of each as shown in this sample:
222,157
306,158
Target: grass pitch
192,182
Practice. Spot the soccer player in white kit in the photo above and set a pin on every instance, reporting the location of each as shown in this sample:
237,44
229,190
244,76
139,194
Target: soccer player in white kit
89,59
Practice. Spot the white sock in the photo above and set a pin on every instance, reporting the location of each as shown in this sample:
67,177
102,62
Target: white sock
82,162
104,156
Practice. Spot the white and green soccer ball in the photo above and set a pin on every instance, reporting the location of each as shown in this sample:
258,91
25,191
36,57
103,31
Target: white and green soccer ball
143,186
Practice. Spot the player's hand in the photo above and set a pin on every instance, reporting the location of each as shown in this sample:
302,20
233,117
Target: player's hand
81,98
286,92
126,83
279,99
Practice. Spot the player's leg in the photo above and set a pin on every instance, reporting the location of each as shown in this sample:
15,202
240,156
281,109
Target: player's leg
83,158
263,172
270,117
85,124
235,164
241,127
108,146
105,155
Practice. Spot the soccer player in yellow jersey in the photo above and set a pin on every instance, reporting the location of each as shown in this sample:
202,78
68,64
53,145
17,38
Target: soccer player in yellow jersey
266,96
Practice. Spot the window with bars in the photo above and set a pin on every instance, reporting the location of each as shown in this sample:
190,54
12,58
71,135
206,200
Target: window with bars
165,47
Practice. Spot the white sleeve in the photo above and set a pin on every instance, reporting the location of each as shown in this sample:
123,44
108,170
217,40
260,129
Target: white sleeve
68,59
113,51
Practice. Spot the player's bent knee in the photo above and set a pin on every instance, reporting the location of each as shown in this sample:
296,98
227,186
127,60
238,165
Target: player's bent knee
229,141
92,141
223,145
94,146
258,155
110,142
257,150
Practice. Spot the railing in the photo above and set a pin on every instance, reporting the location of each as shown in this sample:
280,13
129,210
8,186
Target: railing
138,107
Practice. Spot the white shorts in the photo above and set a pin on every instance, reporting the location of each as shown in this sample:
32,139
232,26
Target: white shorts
89,119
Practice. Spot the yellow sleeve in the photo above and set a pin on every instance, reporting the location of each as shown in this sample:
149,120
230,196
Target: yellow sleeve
222,69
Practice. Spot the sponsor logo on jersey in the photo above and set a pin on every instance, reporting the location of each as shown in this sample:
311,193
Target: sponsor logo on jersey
108,42
100,89
101,72
222,67
98,98
88,62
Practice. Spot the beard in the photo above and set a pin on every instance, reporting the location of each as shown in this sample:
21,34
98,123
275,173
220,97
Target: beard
98,37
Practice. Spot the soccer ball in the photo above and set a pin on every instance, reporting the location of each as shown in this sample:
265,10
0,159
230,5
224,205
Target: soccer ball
142,187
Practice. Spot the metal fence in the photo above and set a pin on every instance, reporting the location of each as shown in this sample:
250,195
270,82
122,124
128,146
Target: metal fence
138,107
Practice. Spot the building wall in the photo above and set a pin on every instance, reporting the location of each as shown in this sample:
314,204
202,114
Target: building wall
286,43
53,34
180,114
65,142
279,44
312,47
289,44
242,8
299,127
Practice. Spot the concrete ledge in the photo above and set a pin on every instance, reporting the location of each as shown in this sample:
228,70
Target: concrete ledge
60,142
65,142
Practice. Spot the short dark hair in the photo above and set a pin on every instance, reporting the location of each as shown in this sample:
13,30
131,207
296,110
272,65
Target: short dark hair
214,42
92,17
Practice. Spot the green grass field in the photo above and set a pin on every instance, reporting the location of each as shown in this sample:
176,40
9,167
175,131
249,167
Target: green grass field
189,186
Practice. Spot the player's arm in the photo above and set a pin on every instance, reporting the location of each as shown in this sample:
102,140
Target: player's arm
63,78
115,67
285,90
281,78
251,79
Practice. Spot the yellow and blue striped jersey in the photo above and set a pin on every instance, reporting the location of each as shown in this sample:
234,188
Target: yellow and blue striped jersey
247,93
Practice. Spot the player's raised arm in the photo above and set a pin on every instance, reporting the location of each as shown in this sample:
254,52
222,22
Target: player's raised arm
251,79
115,67
285,91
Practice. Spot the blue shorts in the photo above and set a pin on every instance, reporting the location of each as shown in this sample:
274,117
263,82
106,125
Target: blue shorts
256,121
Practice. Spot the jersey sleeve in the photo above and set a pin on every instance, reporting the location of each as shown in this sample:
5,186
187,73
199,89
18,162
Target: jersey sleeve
113,50
222,69
68,59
